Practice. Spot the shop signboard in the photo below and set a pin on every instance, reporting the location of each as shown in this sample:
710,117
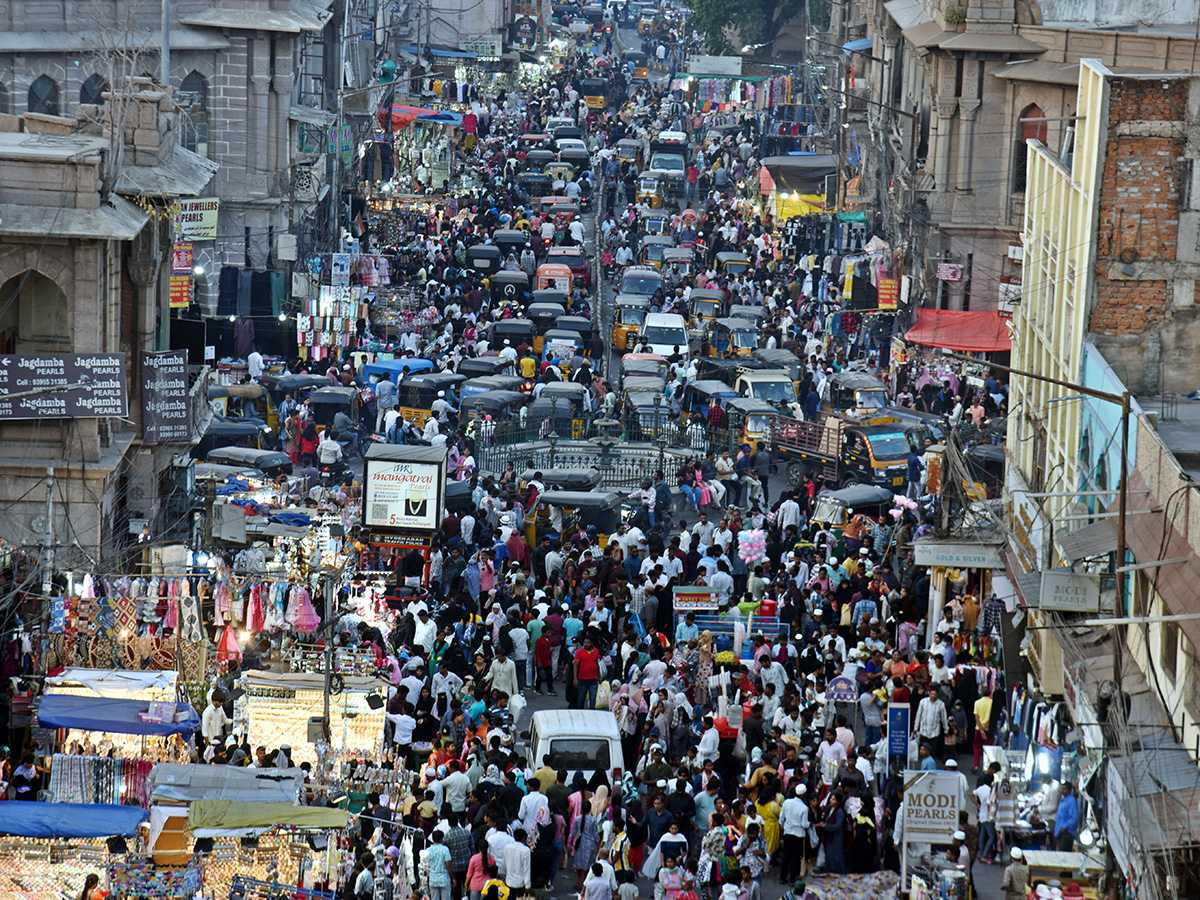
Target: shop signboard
484,46
897,724
889,292
404,488
930,806
730,66
101,375
181,290
841,690
182,259
1068,591
166,415
340,269
525,32
197,219
695,599
957,555
949,272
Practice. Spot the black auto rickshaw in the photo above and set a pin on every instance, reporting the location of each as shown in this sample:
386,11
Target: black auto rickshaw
485,259
600,510
511,240
515,331
595,92
833,509
637,61
542,317
417,393
278,386
581,325
486,366
730,262
271,463
483,383
510,286
325,403
459,497
563,479
549,295
537,160
536,184
559,408
500,405
253,434
578,159
699,395
750,311
655,221
706,307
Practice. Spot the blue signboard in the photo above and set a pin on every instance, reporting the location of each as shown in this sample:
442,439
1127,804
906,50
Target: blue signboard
898,730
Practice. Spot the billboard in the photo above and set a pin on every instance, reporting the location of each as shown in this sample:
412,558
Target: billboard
43,378
405,494
197,219
930,806
166,415
1068,591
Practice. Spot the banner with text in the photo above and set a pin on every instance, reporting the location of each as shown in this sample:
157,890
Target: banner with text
166,416
62,385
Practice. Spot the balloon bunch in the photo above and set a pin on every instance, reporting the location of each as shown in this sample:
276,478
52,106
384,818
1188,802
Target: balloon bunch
752,545
903,503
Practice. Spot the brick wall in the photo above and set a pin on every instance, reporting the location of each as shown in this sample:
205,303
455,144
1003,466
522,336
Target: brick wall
1139,205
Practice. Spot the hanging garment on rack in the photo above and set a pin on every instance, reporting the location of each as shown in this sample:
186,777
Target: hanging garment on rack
300,613
190,628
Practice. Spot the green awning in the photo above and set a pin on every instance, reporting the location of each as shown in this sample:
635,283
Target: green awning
238,814
853,217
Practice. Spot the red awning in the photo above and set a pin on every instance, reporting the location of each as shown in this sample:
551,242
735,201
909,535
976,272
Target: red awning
965,331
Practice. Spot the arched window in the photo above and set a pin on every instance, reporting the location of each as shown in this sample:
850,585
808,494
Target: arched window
43,96
1031,125
35,316
93,91
193,107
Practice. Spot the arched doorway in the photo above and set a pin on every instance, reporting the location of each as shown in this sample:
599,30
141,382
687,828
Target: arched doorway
1030,125
34,315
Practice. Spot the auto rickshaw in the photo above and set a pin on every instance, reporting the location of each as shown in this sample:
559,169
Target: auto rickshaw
549,295
562,479
555,509
485,259
749,311
486,366
630,151
782,359
500,405
542,317
652,249
699,395
637,60
537,160
651,189
579,159
560,169
394,369
416,394
646,22
536,184
730,262
563,213
732,337
655,221
222,432
595,92
481,384
563,344
644,419
629,311
511,240
679,260
560,410
550,201
752,416
221,394
706,307
633,364
277,386
529,142
552,275
856,394
325,403
515,331
511,286
581,325
832,509
459,498
640,280
271,463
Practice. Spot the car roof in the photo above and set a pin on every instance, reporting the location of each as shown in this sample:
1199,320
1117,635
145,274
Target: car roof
576,721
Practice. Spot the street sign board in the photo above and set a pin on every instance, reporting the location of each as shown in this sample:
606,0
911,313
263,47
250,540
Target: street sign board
166,415
897,722
1067,591
105,393
930,806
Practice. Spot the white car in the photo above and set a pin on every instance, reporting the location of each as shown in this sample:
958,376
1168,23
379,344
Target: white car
666,333
571,144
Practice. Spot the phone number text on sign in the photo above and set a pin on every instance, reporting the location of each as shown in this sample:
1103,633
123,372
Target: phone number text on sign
403,495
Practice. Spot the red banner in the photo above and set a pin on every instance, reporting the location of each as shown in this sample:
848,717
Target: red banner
889,293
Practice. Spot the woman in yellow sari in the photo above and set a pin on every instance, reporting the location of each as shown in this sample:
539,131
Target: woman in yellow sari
768,806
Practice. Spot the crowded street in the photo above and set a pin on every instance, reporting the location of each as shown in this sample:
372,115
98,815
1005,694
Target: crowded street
594,519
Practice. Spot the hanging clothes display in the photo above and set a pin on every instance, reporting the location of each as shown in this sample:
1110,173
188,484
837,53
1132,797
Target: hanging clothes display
100,779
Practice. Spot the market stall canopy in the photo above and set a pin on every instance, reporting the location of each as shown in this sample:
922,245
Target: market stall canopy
187,783
70,820
106,714
962,330
803,173
117,684
234,814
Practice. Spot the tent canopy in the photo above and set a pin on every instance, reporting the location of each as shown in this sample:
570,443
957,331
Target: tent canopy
70,820
961,330
180,782
105,714
117,683
233,814
802,174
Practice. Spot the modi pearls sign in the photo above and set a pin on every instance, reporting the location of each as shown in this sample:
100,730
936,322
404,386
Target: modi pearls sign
930,806
1065,591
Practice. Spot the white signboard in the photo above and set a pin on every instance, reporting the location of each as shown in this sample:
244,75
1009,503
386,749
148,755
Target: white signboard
1070,591
715,65
930,806
197,219
484,46
957,555
403,494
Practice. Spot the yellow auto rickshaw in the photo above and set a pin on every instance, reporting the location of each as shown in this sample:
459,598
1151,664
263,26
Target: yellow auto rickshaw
629,151
637,60
628,315
556,509
655,221
653,248
560,169
651,190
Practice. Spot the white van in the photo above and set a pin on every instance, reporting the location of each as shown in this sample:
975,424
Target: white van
578,740
664,332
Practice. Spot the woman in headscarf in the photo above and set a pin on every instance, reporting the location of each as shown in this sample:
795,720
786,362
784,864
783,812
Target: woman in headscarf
704,669
713,848
681,724
586,836
767,804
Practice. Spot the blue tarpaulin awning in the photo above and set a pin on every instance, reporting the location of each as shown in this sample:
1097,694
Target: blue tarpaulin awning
70,820
105,714
858,46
